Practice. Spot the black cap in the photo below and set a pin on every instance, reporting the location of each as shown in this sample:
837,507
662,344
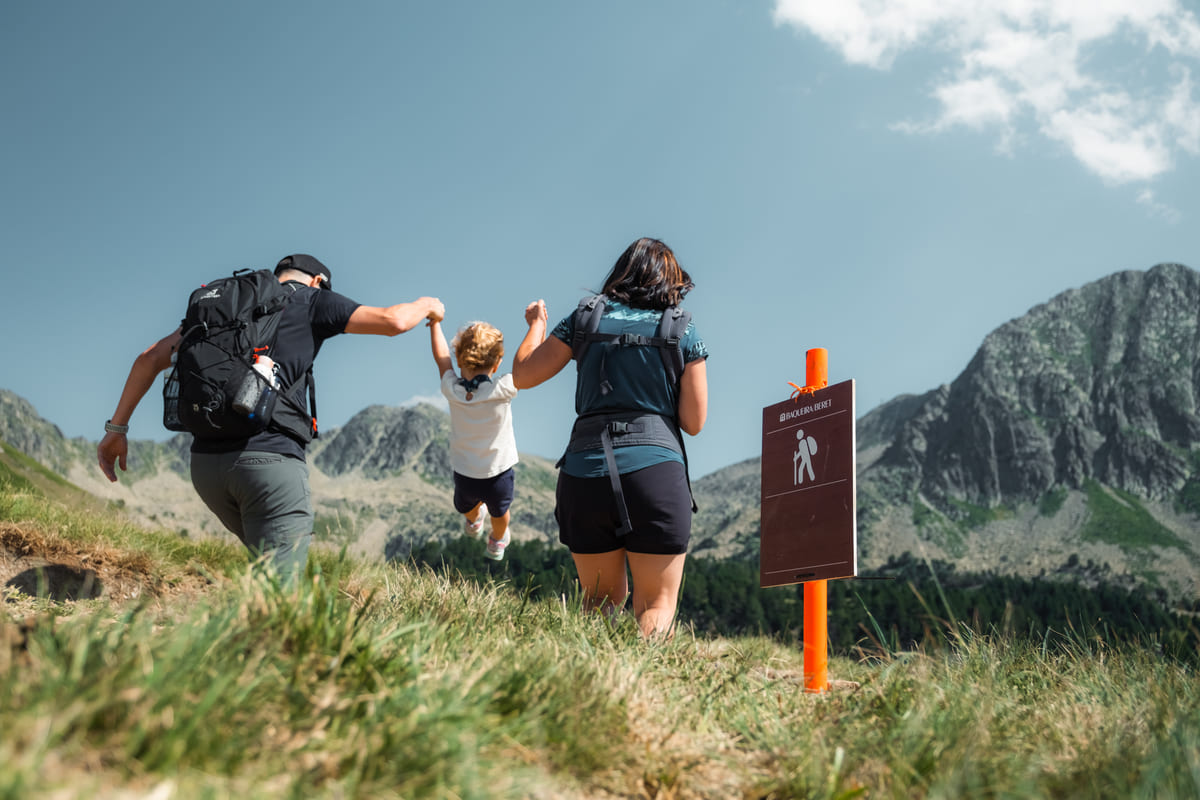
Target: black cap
308,265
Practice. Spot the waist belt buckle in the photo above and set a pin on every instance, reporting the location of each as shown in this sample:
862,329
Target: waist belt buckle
618,426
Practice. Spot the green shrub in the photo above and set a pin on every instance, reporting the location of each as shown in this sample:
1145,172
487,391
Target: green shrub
1052,502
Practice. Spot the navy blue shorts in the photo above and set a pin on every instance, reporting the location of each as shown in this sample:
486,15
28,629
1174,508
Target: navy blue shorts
496,491
659,505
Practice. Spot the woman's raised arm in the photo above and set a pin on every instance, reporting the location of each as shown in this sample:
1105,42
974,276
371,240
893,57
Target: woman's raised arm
538,358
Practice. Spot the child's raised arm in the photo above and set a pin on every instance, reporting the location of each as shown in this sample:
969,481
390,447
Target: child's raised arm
441,351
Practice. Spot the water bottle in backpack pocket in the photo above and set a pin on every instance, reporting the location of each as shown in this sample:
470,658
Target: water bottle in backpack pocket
255,398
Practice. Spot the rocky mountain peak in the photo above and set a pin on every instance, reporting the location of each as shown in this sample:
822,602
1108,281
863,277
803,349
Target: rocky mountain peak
382,441
1098,383
21,427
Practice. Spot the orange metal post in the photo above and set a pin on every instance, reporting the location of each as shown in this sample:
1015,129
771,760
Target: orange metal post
816,368
816,614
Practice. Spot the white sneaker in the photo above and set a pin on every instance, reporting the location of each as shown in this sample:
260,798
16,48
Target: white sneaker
495,550
475,529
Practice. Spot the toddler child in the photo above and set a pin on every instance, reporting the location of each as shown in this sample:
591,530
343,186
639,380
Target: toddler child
483,449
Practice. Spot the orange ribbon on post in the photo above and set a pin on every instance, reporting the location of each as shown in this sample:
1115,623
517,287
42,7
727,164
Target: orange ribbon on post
816,593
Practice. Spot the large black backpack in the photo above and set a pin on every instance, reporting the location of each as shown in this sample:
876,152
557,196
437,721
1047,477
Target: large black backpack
227,324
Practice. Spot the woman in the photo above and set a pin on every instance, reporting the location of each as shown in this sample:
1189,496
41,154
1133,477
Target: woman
623,498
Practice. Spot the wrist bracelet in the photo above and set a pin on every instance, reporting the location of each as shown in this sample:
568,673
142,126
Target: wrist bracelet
112,427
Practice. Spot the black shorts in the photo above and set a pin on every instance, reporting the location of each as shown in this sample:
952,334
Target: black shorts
659,504
496,492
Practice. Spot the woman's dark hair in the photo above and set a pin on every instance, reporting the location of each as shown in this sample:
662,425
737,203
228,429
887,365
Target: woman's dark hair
648,276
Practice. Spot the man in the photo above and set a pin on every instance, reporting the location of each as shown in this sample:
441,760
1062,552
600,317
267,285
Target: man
258,487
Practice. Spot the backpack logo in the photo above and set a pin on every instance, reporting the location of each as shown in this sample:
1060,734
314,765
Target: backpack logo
212,294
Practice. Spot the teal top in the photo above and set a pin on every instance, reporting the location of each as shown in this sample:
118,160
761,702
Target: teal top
638,379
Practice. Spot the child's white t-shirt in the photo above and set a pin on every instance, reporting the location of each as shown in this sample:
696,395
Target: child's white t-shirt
482,444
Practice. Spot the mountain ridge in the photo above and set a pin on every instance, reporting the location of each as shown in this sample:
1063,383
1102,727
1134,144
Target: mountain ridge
381,483
1071,437
1069,446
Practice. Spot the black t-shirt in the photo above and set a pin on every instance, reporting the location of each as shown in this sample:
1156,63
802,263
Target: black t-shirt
309,318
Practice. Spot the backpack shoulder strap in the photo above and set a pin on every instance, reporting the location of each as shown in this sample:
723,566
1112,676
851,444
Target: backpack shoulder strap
293,396
587,321
275,295
668,339
671,329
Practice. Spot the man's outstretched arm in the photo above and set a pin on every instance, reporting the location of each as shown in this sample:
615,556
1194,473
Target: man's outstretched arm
395,319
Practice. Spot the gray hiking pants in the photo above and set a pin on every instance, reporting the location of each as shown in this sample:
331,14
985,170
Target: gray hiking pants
264,499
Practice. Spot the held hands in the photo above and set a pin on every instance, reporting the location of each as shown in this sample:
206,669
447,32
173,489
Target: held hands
112,450
535,312
437,312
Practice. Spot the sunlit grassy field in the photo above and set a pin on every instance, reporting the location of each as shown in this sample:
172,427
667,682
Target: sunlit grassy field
194,676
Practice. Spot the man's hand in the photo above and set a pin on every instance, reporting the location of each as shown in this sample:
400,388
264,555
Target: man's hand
535,311
437,312
112,450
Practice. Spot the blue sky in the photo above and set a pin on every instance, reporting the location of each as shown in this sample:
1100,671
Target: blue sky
890,181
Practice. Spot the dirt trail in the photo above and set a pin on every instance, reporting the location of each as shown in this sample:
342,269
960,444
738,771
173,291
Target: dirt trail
37,563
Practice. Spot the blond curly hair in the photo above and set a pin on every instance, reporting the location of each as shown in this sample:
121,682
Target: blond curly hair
478,346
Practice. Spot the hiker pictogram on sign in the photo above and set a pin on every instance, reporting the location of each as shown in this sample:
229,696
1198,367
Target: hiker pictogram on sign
802,458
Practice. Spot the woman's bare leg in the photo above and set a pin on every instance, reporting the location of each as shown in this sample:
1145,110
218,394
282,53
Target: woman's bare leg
656,582
602,578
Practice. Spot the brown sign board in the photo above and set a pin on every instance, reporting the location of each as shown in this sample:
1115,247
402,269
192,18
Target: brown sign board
809,525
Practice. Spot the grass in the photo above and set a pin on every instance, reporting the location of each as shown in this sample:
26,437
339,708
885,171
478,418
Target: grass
974,516
1119,518
12,475
381,681
21,470
535,477
336,528
939,528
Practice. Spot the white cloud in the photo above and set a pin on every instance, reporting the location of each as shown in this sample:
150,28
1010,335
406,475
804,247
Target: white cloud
1037,63
1112,139
436,400
1182,115
1147,198
868,33
977,102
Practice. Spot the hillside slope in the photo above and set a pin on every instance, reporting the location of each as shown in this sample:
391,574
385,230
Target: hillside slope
381,483
1069,444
